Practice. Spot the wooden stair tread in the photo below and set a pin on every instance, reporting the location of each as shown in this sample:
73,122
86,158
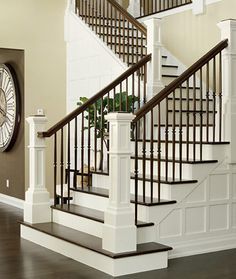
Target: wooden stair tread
89,213
190,99
163,179
91,242
170,66
184,161
190,142
170,75
105,193
185,125
192,111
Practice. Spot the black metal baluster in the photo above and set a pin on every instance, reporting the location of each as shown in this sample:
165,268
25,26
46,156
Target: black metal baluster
194,117
180,133
89,146
136,173
207,100
62,166
201,114
159,151
68,162
220,96
82,151
167,140
151,154
214,99
76,153
144,158
173,137
187,121
55,169
102,134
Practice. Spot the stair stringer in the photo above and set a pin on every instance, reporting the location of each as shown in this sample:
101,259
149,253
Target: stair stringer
205,220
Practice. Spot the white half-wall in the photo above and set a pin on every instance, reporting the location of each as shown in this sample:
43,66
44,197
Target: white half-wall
91,65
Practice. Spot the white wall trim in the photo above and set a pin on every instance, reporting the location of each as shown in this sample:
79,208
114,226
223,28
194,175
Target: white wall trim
202,246
12,201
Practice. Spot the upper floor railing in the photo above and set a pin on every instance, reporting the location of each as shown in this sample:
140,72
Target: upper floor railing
114,25
148,7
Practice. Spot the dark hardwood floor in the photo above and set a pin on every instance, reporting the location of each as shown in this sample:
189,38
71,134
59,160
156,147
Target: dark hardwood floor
22,259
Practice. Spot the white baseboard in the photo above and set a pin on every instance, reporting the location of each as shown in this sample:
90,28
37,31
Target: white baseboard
12,201
202,246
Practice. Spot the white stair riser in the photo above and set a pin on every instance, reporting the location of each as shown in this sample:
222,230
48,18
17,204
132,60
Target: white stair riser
169,70
91,201
209,151
77,223
189,171
191,105
83,224
113,267
168,191
206,150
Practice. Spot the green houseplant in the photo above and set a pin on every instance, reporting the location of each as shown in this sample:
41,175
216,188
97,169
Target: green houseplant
95,113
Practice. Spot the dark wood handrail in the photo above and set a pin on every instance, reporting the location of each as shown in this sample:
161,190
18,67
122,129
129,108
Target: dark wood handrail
129,17
95,98
178,81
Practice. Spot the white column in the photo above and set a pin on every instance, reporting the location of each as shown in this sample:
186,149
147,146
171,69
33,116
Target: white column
134,8
199,7
228,31
154,46
119,231
37,205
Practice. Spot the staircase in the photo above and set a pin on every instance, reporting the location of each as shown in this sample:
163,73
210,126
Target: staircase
175,139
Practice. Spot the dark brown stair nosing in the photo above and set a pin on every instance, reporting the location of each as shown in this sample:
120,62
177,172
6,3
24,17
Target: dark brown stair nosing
184,161
190,99
190,142
104,193
185,87
91,242
170,66
192,111
91,214
170,75
185,125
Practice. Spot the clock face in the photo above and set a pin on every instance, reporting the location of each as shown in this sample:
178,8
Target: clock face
9,108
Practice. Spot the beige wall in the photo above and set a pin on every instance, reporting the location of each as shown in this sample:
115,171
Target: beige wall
12,162
37,27
188,36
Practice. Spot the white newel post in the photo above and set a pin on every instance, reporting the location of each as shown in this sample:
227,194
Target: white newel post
37,199
119,231
154,46
228,31
134,8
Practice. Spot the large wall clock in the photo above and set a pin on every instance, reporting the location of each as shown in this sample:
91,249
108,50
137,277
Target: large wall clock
9,107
